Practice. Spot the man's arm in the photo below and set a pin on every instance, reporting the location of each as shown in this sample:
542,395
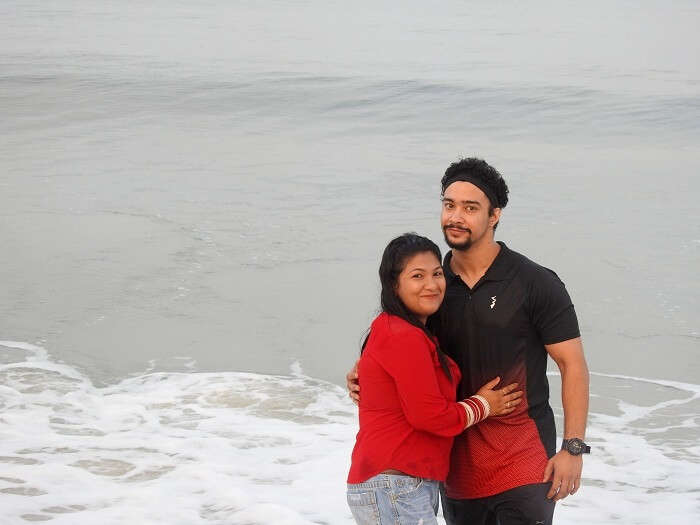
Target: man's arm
563,469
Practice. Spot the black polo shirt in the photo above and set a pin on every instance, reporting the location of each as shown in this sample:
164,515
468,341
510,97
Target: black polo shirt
500,328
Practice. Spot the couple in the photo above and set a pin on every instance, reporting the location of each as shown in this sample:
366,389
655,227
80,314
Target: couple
433,405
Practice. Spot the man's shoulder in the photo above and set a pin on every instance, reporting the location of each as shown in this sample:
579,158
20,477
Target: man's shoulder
531,271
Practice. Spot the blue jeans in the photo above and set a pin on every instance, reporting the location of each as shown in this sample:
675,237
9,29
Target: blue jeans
387,499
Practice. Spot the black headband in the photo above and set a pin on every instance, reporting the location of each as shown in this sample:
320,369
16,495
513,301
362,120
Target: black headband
464,177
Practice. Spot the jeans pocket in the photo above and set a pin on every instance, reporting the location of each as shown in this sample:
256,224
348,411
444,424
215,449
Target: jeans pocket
420,504
407,485
364,507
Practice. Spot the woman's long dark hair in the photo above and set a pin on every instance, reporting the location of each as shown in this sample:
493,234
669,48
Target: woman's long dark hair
397,252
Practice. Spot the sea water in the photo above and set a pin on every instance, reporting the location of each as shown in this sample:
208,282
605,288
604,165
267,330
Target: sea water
194,197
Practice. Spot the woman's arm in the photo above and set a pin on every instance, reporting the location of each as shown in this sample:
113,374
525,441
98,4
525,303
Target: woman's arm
407,358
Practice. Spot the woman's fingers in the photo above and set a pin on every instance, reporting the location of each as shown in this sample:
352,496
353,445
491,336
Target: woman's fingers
491,384
507,405
508,389
511,405
513,396
504,400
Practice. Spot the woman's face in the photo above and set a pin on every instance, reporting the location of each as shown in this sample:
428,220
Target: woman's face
421,285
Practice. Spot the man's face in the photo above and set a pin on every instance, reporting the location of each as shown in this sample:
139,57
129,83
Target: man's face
465,218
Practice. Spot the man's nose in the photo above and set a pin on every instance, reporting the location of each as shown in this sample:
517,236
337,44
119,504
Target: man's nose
456,215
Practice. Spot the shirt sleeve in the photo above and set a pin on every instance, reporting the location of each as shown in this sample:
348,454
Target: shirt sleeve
551,309
408,358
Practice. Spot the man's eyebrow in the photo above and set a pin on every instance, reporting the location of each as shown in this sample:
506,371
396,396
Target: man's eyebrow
447,199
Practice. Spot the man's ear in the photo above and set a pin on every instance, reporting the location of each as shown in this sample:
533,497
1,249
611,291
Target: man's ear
495,217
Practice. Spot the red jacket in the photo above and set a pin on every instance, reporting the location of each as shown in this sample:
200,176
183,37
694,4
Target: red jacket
408,413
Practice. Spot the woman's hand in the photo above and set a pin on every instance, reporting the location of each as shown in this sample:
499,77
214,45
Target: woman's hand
502,401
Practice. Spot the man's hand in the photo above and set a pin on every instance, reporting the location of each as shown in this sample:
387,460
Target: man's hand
564,470
353,383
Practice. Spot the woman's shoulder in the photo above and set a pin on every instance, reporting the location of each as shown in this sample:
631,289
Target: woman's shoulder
388,326
392,337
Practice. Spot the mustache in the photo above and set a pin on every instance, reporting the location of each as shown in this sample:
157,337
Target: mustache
454,226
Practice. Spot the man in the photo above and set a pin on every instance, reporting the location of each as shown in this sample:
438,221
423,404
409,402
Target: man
502,315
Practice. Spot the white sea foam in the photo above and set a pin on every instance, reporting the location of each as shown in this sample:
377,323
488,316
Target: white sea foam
242,448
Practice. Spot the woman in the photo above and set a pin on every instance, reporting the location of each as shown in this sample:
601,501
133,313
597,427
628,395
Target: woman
408,410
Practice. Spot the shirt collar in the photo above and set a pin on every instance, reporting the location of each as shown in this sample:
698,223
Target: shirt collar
498,270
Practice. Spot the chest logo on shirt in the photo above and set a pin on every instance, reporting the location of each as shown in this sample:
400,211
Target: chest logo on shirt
493,302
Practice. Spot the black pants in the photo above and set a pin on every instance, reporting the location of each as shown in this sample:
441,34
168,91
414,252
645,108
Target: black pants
525,505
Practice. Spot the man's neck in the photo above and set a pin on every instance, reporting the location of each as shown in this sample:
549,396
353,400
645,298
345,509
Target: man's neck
472,264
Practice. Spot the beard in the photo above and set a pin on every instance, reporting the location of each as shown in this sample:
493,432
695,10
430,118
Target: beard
460,246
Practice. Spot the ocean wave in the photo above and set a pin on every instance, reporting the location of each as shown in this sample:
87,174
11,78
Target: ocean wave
272,101
246,448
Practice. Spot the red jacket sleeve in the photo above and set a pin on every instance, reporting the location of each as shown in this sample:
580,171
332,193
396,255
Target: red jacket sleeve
407,357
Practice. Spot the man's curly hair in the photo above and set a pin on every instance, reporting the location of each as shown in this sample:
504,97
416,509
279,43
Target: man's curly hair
479,169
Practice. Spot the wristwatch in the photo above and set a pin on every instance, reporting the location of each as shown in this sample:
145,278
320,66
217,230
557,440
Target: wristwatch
575,447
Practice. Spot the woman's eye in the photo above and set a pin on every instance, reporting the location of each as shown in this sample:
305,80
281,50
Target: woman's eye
417,275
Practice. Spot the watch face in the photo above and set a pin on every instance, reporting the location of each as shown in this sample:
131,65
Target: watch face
575,446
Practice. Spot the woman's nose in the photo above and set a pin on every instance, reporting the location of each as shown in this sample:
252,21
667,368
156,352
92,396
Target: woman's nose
432,283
